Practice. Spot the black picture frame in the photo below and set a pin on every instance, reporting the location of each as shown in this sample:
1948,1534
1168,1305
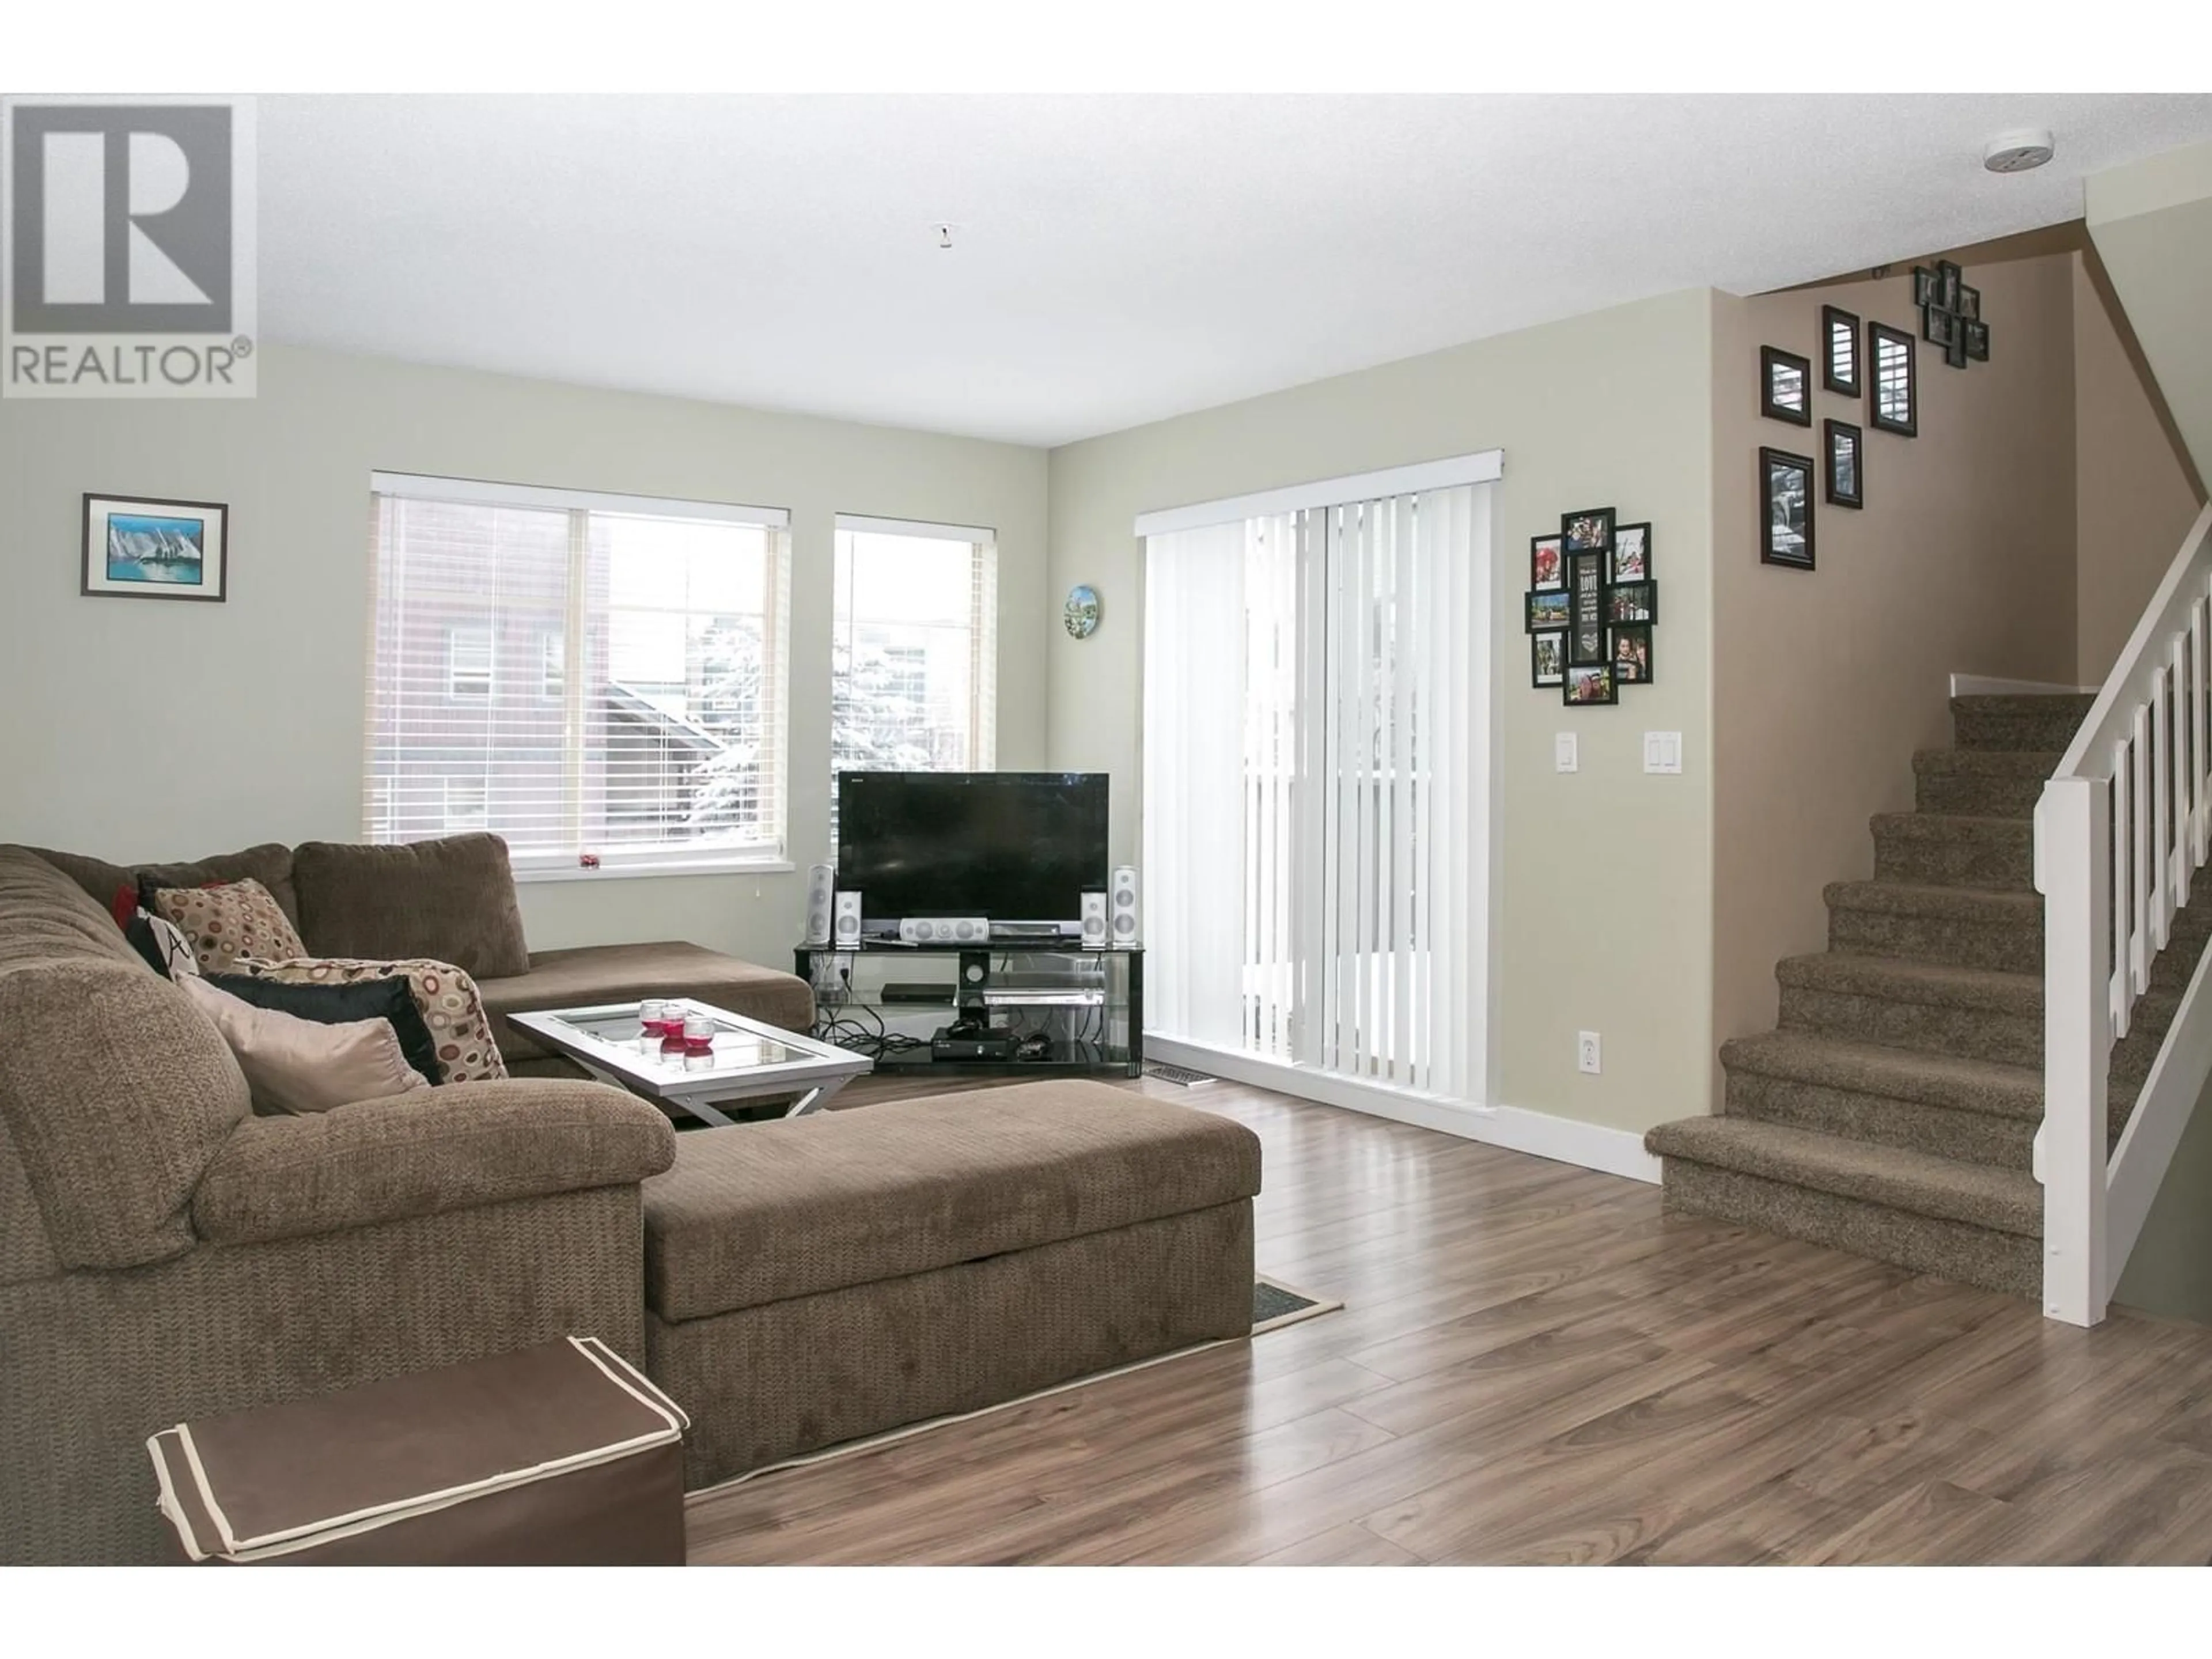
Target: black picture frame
1548,660
1551,611
1924,285
1892,382
1638,665
1950,280
1784,478
1977,336
1630,558
1785,385
1970,303
1839,351
150,547
1588,531
1589,686
1539,565
1955,353
1586,646
1631,603
1938,328
1843,485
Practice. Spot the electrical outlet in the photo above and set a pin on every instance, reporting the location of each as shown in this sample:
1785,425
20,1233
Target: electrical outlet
1586,1052
1565,756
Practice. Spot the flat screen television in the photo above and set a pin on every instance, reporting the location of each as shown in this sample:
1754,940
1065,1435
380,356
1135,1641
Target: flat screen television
1019,848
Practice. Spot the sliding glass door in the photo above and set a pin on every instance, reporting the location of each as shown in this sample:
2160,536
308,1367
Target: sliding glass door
1316,800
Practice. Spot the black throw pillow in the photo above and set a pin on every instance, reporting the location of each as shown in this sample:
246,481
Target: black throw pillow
340,1005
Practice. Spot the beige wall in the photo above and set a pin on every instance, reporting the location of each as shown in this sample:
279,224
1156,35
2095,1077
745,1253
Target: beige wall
135,729
1962,560
2152,222
2132,500
1601,920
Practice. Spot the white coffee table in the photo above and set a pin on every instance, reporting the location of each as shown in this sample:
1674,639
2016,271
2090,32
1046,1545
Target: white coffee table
751,1060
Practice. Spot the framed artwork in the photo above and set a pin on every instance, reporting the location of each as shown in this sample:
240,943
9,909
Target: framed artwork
1896,397
1785,387
1549,610
1976,336
1924,285
1586,686
1844,459
1631,553
1548,660
1938,327
1586,646
1839,351
1632,654
1970,303
1950,283
1955,353
1547,562
1785,508
141,549
1589,531
1632,602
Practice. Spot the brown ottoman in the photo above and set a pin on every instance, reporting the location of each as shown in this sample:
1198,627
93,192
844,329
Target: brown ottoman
816,1280
556,1456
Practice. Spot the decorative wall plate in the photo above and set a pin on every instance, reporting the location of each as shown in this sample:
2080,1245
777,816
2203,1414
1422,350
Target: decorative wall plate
1082,612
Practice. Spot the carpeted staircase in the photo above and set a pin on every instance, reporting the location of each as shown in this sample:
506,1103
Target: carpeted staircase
1894,1114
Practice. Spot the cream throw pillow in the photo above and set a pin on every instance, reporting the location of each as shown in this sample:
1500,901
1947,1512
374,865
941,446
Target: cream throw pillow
299,1066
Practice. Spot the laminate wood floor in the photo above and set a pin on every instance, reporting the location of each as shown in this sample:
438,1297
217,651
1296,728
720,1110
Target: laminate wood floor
1536,1365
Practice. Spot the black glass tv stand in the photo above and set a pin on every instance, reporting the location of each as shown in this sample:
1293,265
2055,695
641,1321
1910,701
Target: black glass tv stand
1067,1011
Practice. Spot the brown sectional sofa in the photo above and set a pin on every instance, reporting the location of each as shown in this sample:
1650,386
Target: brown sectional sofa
165,1254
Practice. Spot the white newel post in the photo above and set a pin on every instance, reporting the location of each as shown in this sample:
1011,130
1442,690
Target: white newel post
2073,836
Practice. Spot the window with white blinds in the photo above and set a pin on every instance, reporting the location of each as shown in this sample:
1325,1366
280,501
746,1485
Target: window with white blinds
1317,757
599,679
915,650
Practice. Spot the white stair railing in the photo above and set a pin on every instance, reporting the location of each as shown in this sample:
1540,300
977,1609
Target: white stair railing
2123,825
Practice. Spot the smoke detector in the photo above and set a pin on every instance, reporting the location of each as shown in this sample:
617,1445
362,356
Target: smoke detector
2017,152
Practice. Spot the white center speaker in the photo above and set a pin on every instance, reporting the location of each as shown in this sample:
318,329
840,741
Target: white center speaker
847,933
945,930
1122,908
821,883
1094,921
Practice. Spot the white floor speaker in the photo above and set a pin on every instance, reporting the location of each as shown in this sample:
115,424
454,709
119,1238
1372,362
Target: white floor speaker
821,883
1094,921
1122,908
847,929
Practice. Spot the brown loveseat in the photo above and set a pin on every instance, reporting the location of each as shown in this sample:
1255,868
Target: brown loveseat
165,1254
453,900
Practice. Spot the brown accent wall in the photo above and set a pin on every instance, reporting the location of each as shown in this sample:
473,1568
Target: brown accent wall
2133,503
1962,562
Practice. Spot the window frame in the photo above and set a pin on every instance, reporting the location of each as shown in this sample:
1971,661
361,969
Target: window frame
612,861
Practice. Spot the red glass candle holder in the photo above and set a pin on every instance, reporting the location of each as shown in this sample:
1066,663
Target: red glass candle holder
698,1037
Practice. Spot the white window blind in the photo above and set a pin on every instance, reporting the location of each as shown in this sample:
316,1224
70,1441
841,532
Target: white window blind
1316,798
914,657
582,674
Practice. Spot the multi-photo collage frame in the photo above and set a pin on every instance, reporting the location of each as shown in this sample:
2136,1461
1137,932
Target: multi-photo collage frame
1593,606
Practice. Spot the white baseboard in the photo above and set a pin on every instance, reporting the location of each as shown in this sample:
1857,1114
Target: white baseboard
1564,1139
1986,685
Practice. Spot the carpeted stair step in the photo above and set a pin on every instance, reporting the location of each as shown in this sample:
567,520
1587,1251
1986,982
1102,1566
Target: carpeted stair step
1941,850
1970,1110
1964,927
1962,1221
1987,783
2018,723
1975,1013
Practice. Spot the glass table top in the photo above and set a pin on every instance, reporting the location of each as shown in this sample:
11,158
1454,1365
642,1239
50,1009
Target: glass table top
735,1048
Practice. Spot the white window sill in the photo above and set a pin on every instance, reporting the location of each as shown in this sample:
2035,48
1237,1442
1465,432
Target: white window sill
733,866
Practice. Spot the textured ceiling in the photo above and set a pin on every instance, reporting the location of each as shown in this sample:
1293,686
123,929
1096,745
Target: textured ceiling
1119,258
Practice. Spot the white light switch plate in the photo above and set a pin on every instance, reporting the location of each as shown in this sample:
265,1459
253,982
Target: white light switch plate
1587,1053
1662,752
1565,753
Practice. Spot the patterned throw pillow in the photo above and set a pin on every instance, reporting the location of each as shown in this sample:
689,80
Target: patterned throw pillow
450,1004
229,921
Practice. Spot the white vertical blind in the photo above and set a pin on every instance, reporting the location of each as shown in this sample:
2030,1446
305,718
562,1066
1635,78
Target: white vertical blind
1315,801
